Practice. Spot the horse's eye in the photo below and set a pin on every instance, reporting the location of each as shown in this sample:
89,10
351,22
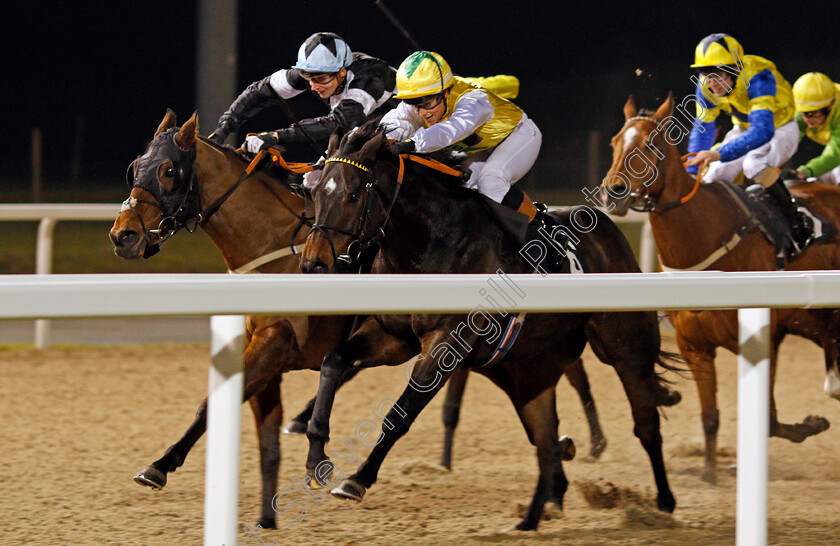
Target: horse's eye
354,196
169,172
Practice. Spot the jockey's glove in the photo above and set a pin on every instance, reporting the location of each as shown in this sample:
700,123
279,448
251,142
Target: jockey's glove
255,143
227,125
401,147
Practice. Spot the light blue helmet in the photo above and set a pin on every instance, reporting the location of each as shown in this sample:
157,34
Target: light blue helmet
323,52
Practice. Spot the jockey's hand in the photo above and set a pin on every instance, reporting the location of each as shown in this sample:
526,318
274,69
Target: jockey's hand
704,158
789,174
401,147
255,143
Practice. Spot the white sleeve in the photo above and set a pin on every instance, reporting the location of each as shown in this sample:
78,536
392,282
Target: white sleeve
401,122
470,112
282,86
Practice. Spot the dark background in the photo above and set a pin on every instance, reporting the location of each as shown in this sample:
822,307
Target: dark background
96,77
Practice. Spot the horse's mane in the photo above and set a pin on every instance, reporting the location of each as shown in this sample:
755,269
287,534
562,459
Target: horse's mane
271,170
355,140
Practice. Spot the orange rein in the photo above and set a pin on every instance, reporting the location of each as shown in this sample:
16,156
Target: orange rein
431,163
693,191
277,157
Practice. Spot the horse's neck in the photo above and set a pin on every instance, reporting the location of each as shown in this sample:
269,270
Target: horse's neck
688,233
423,222
252,221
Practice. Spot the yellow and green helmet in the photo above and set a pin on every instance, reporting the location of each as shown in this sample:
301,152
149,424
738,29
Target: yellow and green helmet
423,73
717,49
813,91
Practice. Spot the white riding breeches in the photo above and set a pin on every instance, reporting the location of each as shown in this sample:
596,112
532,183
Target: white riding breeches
773,154
511,160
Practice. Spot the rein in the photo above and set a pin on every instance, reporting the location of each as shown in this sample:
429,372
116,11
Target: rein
171,223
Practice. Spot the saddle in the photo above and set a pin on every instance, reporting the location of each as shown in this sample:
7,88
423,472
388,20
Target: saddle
763,213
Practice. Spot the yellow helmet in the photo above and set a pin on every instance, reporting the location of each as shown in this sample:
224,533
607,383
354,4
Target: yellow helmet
717,49
813,91
423,73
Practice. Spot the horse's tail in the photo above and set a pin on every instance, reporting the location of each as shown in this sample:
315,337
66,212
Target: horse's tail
670,362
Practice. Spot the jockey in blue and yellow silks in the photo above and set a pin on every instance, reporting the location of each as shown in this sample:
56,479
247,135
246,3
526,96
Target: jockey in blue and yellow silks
764,133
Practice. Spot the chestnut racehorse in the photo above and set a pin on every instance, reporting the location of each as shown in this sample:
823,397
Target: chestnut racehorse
701,226
253,229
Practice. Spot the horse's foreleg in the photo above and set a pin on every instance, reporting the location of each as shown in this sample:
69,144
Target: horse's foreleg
797,432
297,425
268,414
451,412
426,379
369,345
579,380
702,367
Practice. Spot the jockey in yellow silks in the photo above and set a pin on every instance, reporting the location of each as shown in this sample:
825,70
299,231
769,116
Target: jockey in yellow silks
818,116
764,134
442,111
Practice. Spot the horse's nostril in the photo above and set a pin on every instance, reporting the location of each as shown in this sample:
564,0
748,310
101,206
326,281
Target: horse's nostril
313,266
125,237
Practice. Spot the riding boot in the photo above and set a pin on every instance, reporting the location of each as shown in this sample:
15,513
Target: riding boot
518,201
800,232
539,229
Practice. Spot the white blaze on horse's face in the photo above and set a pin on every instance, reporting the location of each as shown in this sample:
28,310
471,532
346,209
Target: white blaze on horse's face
629,137
329,186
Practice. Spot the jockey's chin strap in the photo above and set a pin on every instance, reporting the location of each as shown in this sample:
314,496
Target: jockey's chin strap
358,245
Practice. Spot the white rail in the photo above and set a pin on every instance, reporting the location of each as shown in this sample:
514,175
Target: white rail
49,214
54,296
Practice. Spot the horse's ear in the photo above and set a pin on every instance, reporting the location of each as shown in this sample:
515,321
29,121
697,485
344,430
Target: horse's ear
629,108
666,109
186,136
167,123
335,138
371,148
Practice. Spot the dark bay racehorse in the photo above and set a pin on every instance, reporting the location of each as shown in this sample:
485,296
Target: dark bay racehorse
435,226
254,231
703,225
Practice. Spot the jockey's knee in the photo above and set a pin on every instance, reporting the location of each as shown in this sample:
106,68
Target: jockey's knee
493,185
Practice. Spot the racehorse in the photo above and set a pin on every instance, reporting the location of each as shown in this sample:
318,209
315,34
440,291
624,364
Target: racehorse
433,225
255,228
699,226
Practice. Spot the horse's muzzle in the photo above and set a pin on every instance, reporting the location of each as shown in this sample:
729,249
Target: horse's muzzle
126,243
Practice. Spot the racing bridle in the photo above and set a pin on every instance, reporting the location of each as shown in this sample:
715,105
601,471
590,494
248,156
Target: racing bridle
362,237
178,206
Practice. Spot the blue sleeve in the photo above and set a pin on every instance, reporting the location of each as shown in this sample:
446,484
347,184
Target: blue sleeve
702,132
762,84
760,132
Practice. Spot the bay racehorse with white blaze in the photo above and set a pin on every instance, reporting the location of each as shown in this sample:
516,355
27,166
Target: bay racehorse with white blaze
707,226
254,227
433,225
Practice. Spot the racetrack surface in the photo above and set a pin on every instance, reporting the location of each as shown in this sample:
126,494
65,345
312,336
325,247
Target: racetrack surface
79,422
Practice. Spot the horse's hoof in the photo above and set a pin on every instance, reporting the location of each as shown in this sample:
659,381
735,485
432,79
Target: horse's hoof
350,490
151,477
598,447
525,525
267,522
294,427
567,448
709,476
816,423
666,503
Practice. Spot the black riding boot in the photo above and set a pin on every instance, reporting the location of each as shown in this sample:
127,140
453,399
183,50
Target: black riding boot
800,232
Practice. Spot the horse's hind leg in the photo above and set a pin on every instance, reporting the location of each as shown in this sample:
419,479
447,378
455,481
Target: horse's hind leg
297,425
634,357
451,412
267,407
797,432
579,380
